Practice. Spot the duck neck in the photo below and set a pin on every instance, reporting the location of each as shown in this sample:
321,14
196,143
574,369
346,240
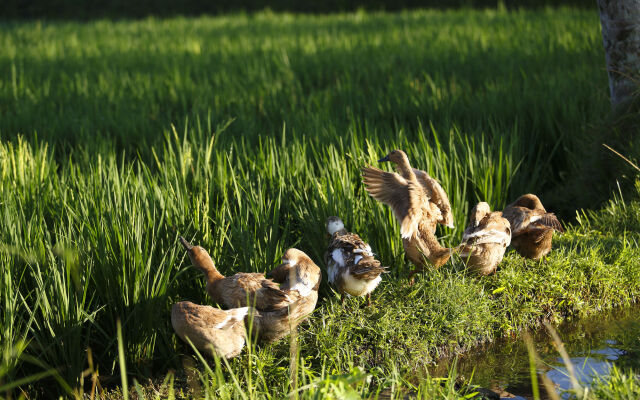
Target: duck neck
404,168
210,271
531,201
437,254
340,232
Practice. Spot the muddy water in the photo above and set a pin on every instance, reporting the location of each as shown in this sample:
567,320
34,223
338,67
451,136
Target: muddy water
594,345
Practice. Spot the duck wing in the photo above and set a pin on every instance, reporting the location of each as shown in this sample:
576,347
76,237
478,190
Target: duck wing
367,268
550,220
262,293
518,217
406,198
343,249
493,228
188,316
436,195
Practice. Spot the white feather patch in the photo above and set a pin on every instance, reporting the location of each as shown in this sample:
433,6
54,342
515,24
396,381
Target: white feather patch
303,289
338,257
357,259
233,316
332,271
489,236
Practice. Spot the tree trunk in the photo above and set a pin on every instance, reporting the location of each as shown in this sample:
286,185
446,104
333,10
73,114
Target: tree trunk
621,36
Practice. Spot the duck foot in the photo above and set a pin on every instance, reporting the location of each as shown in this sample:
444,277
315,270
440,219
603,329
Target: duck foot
412,277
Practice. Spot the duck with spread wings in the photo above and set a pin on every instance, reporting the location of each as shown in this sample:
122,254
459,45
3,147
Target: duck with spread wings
418,202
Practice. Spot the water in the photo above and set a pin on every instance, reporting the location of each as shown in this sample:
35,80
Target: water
594,345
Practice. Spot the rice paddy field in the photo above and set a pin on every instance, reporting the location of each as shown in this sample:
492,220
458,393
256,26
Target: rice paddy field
243,133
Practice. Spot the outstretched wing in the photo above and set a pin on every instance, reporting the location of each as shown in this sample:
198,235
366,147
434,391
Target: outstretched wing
550,220
404,197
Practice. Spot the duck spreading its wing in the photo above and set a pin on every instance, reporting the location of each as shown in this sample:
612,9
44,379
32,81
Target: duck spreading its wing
407,199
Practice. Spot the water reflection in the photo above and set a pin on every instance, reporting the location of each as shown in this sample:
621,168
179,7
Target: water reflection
594,344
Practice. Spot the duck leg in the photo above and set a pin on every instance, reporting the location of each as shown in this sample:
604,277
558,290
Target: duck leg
412,273
368,299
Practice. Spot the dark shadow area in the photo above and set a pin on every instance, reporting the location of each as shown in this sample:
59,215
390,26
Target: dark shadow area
85,10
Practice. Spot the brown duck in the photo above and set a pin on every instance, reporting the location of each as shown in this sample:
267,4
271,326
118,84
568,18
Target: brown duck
418,202
485,239
299,278
531,226
297,273
239,290
351,265
211,330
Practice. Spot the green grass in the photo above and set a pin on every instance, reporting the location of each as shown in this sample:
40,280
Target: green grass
274,114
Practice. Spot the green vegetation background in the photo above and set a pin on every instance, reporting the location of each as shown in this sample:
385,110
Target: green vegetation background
244,132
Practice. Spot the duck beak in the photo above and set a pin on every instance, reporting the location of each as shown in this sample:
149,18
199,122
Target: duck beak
188,246
385,158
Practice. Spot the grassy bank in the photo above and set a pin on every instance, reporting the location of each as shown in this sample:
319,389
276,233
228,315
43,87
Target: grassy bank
274,116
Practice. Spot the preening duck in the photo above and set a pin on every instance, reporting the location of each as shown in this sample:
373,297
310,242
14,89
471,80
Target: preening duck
351,265
485,239
418,202
299,278
234,291
531,226
211,330
297,273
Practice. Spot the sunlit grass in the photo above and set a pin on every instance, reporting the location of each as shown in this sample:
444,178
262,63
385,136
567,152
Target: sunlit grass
244,133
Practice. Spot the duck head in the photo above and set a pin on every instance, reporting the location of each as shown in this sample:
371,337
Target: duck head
530,201
481,210
396,157
334,224
199,257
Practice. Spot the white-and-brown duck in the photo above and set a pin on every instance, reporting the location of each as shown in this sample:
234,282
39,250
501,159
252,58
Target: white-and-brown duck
351,265
239,290
299,278
532,226
485,239
211,330
418,202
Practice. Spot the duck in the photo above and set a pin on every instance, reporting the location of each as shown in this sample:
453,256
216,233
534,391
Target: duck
240,290
299,277
419,203
485,240
271,326
211,330
297,272
532,227
351,265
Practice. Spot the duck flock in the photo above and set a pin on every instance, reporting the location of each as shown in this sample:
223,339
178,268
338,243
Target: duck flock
270,307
